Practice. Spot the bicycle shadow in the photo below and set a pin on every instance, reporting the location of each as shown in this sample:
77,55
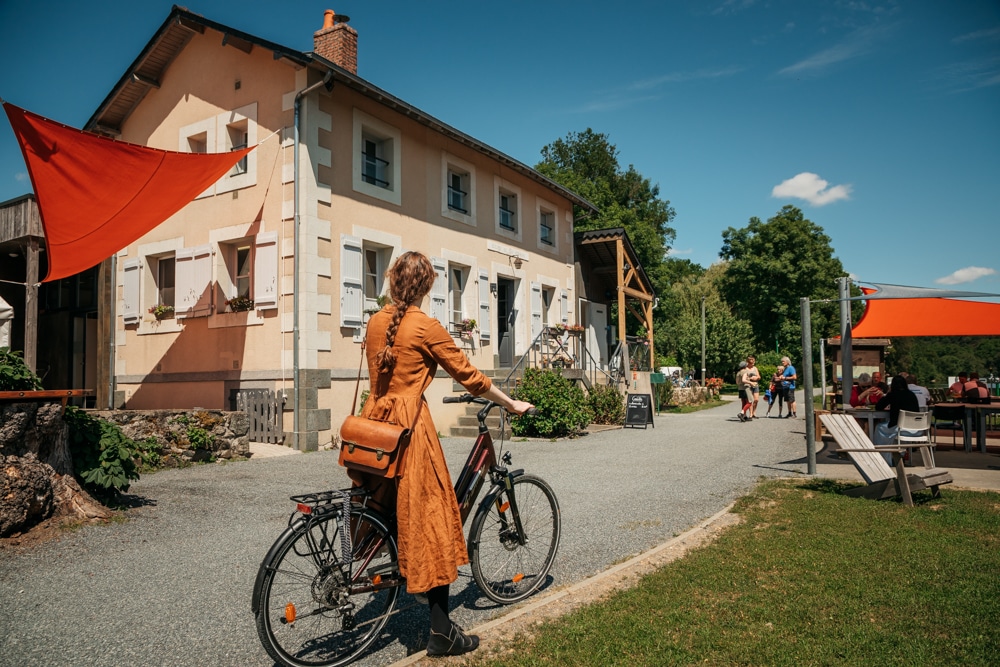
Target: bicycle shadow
472,597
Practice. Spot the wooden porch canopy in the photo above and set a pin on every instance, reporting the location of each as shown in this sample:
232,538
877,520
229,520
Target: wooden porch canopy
616,266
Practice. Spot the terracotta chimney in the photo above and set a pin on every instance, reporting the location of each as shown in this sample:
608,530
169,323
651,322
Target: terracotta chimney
337,41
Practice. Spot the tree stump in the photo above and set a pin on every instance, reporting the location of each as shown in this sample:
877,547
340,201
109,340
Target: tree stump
37,482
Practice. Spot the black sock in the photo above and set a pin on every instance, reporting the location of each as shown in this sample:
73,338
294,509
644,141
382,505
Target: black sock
437,599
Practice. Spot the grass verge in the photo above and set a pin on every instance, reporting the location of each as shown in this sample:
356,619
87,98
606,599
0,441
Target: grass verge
810,577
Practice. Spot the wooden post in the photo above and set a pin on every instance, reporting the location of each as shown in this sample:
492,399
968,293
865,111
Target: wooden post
31,304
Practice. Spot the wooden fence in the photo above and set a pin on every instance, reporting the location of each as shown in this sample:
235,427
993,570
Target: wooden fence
264,410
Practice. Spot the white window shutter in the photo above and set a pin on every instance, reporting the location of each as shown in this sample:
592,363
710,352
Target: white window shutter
536,310
130,293
352,293
439,291
265,271
484,305
564,306
193,268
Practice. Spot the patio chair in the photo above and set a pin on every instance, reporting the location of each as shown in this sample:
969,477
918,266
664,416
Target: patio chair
915,427
882,480
948,417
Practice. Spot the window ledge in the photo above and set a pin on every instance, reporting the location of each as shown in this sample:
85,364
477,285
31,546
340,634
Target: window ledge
244,318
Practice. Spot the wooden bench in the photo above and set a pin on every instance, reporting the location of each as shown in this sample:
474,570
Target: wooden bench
883,480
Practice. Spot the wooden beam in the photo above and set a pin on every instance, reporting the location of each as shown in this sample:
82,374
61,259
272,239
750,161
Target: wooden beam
31,305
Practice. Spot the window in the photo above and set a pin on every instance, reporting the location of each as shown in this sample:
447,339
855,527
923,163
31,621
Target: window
375,260
547,294
546,230
374,166
236,139
456,286
376,162
198,143
458,192
241,281
165,281
508,211
507,207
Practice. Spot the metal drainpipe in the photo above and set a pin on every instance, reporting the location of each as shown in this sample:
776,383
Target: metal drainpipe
327,81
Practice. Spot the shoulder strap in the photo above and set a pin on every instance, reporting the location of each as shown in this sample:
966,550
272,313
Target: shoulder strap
354,403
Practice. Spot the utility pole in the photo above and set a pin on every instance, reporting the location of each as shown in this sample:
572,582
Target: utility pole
703,378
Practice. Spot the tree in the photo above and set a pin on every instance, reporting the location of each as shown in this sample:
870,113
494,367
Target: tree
728,339
771,266
587,163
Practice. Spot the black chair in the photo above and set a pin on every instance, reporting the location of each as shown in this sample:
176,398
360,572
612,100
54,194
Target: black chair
950,417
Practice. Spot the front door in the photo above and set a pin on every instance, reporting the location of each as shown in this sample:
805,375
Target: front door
597,331
505,321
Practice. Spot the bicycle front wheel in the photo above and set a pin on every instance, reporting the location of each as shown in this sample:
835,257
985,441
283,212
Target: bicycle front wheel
315,609
506,570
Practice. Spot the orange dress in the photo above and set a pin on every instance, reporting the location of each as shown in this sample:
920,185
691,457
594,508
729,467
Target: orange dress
431,540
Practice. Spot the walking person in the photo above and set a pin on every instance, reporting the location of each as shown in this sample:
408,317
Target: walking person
788,378
404,348
752,378
776,391
742,387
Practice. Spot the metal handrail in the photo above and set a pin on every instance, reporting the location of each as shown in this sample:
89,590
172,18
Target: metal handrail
541,354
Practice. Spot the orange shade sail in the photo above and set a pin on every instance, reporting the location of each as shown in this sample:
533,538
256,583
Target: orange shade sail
888,318
97,195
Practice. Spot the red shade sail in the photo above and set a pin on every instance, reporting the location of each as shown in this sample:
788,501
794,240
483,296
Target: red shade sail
96,195
888,318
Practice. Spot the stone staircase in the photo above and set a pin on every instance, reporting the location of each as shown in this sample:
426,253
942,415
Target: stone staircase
468,425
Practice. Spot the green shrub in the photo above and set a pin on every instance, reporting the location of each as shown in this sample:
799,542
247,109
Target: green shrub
664,393
607,405
562,406
104,458
14,375
199,438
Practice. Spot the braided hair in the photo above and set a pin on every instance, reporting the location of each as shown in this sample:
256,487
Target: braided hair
411,277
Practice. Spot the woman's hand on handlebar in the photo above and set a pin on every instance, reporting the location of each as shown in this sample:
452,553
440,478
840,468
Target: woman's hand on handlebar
519,407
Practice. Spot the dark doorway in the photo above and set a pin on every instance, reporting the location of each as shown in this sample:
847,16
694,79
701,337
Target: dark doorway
506,313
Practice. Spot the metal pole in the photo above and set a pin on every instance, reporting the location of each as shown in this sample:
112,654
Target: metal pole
822,368
846,353
703,371
111,332
807,385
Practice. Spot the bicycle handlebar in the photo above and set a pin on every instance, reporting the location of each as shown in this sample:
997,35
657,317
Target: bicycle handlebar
469,398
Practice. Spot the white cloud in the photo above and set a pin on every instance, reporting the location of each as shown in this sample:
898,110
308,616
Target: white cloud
966,275
812,188
674,252
21,176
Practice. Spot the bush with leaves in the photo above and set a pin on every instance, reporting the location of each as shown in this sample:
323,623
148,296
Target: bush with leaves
14,374
607,404
104,458
562,406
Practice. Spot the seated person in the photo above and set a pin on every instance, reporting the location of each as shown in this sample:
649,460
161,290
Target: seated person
873,393
864,381
975,391
899,398
957,389
923,396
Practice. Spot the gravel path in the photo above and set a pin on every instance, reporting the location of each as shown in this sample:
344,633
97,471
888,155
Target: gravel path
171,585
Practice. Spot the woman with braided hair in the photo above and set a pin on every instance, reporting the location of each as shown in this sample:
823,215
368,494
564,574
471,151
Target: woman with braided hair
404,348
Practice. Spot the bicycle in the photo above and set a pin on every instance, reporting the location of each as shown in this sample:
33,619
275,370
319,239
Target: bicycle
323,594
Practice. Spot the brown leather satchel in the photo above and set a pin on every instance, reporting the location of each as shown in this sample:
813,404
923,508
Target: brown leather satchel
372,446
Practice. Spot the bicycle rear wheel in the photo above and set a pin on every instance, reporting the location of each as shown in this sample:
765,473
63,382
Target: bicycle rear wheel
315,610
506,570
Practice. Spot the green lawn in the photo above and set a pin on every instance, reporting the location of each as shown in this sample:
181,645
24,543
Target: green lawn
810,577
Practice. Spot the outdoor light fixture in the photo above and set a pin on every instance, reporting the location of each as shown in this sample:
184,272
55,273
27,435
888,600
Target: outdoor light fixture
493,289
517,262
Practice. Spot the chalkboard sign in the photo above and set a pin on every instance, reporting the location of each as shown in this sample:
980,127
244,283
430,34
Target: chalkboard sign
638,410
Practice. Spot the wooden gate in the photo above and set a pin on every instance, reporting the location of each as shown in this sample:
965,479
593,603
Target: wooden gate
264,410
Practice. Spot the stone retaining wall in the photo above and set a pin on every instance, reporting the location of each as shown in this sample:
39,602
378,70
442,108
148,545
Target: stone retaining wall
223,435
690,395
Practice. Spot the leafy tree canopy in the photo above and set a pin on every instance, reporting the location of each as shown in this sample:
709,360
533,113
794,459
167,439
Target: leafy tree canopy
772,265
587,163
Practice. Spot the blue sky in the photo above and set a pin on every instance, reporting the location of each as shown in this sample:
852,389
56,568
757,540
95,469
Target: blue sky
880,120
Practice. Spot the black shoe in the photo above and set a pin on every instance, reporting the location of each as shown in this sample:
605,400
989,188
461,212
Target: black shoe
455,642
742,417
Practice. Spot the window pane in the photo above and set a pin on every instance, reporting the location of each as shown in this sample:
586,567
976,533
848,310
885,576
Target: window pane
242,281
456,295
371,274
165,280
